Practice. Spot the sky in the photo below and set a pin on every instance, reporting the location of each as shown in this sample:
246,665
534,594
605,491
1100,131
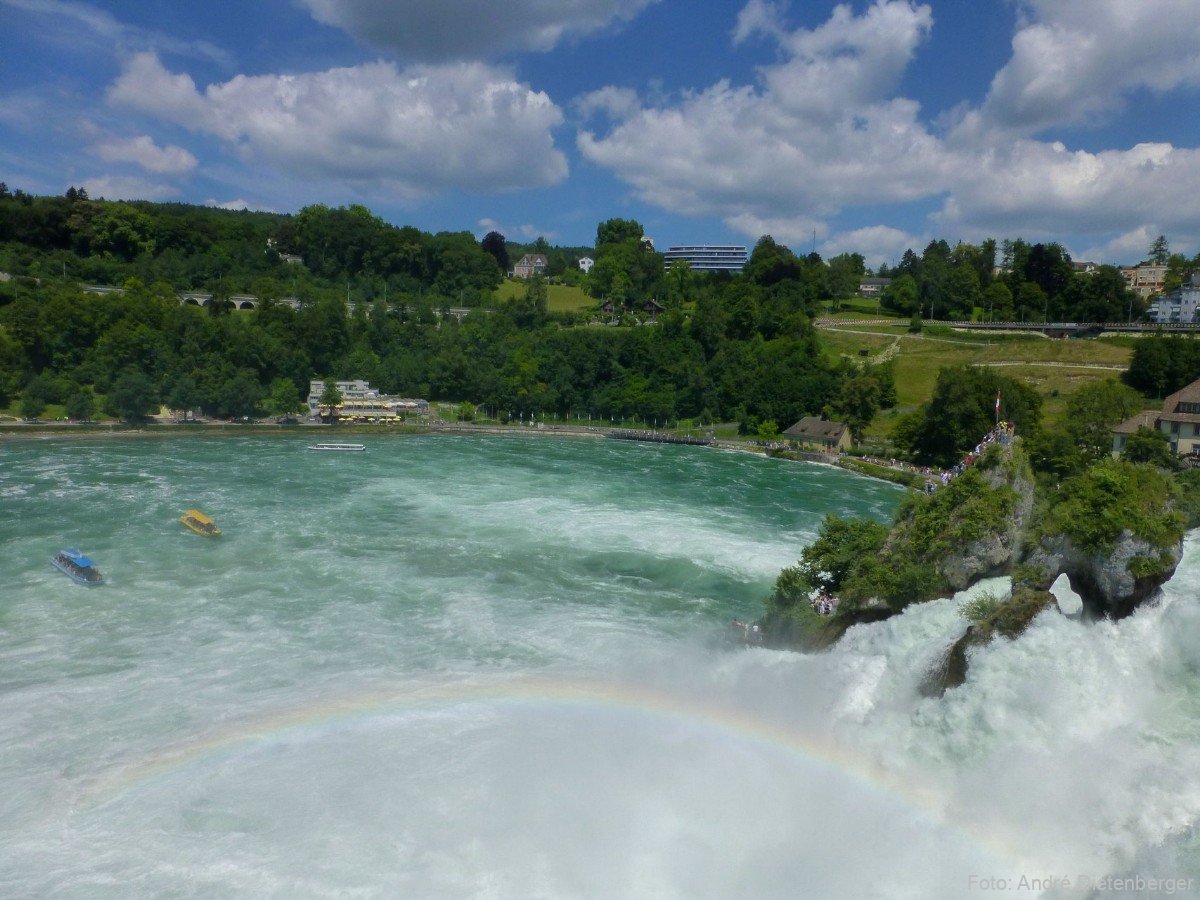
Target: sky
867,127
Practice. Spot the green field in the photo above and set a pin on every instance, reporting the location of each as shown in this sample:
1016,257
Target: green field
1055,368
559,297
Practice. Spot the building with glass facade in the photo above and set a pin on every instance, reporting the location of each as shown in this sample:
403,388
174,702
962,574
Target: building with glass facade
708,257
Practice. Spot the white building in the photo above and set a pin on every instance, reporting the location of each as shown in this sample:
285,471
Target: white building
360,400
708,257
586,263
1179,305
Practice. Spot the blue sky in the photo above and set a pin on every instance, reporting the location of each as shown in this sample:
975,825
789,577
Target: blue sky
866,126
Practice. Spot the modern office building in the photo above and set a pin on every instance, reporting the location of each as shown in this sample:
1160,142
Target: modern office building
708,257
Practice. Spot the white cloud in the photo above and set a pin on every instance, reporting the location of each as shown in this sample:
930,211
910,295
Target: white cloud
824,129
759,17
878,243
438,30
510,232
819,133
614,102
1048,189
121,187
83,25
798,233
144,152
1131,247
410,133
237,205
1074,61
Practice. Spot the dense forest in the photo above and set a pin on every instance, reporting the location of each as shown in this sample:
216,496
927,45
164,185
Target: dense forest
346,295
724,349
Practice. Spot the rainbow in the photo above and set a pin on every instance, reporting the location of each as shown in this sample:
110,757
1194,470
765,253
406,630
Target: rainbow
716,721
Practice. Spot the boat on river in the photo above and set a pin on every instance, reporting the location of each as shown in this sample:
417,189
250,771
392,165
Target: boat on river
77,566
200,523
337,447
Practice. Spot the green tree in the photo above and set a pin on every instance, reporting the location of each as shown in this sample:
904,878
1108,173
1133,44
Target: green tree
81,405
901,295
1032,302
1149,445
33,400
768,430
618,231
997,300
496,246
845,271
770,263
330,398
1094,410
238,397
962,290
1159,251
184,395
857,404
962,410
283,399
133,396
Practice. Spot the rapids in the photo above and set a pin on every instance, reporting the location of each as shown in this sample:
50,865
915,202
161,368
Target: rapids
496,667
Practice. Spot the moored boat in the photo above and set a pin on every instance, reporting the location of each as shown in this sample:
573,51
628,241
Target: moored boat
77,566
337,447
200,523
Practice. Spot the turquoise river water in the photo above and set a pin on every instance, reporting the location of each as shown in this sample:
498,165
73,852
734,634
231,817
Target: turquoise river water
497,667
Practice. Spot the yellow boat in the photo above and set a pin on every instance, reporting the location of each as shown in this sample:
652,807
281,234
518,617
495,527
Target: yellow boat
200,523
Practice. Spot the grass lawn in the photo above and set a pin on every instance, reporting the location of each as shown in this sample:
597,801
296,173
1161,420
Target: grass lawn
559,297
1055,368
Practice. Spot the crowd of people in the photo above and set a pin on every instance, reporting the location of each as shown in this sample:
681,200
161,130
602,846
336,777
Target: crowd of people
824,604
1002,435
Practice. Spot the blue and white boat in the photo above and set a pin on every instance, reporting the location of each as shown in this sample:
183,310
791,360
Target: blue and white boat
76,566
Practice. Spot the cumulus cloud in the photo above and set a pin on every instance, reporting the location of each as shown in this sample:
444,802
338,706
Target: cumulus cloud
1130,246
236,205
817,133
1074,61
1046,187
825,129
412,133
529,232
439,30
879,243
121,187
142,151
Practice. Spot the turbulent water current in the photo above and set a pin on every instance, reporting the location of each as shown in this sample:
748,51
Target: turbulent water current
499,667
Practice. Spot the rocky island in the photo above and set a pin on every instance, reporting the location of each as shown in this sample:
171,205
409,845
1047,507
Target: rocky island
1114,529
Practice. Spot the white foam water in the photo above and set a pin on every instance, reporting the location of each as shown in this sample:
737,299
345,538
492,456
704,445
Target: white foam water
494,668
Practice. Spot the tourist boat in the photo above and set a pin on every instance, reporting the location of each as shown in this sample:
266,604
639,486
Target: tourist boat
200,523
336,447
76,566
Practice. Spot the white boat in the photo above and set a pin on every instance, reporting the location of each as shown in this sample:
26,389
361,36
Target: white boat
337,447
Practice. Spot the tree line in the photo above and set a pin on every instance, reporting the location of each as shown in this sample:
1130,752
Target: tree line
1016,281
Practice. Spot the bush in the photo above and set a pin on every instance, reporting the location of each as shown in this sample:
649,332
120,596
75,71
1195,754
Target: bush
980,608
1095,507
1011,617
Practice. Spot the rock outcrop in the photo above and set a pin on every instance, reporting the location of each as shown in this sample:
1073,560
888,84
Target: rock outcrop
1113,530
1111,584
996,552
